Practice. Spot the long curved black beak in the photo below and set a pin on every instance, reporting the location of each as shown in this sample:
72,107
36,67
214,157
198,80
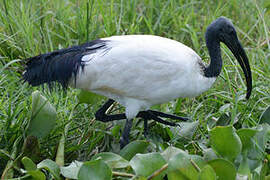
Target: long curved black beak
235,46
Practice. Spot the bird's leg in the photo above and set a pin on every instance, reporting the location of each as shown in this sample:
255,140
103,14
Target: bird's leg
102,116
156,118
124,140
170,116
145,132
147,115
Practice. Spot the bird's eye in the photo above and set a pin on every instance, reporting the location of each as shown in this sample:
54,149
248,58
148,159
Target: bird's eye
220,30
231,31
221,37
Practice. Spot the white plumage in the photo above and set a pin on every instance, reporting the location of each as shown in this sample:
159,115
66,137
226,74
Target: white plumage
140,71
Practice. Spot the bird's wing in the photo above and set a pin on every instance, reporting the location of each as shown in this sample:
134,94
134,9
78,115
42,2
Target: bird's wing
60,65
139,67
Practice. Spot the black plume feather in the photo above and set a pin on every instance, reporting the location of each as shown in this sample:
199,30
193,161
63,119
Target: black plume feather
59,66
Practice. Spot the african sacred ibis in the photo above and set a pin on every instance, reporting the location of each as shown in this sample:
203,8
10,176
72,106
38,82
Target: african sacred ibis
139,71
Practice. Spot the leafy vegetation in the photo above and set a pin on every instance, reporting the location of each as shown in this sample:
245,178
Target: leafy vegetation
54,134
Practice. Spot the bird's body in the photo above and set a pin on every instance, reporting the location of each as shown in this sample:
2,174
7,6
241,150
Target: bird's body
139,71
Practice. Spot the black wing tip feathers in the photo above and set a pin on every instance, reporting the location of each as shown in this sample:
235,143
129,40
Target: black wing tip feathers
59,66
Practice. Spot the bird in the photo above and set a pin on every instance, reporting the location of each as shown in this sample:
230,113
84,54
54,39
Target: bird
139,71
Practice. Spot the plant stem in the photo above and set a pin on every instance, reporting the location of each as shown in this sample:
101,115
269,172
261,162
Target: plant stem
195,165
122,174
157,172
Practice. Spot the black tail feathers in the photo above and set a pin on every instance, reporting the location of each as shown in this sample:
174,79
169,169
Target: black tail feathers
59,66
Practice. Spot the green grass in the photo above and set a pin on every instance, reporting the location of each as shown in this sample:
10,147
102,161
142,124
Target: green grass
28,28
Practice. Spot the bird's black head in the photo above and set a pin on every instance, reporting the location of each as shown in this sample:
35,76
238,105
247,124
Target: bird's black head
222,30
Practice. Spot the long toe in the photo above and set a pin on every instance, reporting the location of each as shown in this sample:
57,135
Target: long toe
186,119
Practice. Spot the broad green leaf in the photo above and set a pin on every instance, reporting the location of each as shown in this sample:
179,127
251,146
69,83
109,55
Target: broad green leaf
133,148
256,154
28,164
71,171
246,136
170,152
265,118
113,160
225,142
88,97
254,163
181,168
209,154
207,173
95,170
263,135
146,164
50,166
43,116
186,130
244,167
224,169
37,174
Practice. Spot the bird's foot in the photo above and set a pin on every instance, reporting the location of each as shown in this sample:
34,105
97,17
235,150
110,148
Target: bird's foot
156,116
170,116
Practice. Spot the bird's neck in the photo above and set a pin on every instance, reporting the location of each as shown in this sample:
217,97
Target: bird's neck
215,66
